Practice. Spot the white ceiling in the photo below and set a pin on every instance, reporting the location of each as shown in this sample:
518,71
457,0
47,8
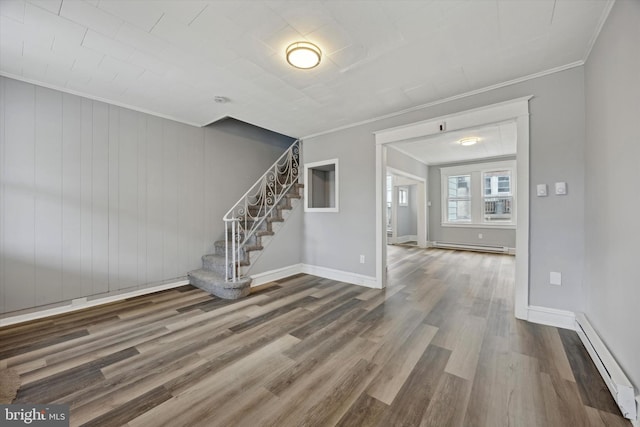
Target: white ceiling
170,58
496,140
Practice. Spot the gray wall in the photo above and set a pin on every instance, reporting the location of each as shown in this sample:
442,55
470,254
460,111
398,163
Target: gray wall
612,281
285,247
322,191
469,235
400,161
337,239
407,221
95,198
556,154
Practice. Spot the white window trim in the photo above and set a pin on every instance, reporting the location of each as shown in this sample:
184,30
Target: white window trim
307,186
477,170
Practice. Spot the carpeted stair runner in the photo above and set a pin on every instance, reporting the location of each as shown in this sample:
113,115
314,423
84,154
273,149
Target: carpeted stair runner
212,276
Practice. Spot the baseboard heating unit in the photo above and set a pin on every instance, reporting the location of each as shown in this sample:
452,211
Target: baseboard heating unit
469,247
619,385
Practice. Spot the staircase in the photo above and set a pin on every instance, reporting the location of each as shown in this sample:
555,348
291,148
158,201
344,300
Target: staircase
248,226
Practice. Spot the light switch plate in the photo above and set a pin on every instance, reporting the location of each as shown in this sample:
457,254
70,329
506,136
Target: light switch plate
541,190
555,278
561,188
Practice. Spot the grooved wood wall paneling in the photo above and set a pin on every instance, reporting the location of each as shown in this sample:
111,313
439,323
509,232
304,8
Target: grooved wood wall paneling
96,198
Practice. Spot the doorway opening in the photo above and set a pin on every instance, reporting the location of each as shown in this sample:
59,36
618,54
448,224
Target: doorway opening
405,208
515,112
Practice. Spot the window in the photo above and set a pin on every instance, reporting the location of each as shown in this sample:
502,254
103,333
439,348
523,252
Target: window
497,196
481,194
403,196
459,198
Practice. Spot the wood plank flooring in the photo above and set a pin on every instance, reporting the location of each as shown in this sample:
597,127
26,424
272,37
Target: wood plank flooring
438,347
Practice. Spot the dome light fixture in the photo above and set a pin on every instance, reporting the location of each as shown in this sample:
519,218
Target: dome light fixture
303,55
468,141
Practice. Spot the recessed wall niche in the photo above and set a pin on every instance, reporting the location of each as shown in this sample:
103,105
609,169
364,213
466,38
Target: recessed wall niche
321,186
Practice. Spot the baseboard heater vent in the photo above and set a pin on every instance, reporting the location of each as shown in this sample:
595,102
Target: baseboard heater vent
466,247
619,385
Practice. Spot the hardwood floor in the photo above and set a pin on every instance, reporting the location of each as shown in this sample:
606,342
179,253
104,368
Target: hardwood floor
438,347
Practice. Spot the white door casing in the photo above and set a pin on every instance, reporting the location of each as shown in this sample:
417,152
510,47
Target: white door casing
516,110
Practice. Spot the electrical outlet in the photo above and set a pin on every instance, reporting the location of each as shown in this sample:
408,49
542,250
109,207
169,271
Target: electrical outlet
361,259
555,278
480,236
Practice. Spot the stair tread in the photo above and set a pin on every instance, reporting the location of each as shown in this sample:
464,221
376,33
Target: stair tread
216,284
215,276
207,275
222,243
214,257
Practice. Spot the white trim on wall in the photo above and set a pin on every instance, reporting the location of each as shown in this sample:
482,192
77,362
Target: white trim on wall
276,274
476,173
84,303
308,191
552,317
541,315
404,239
516,110
455,97
314,270
341,276
596,33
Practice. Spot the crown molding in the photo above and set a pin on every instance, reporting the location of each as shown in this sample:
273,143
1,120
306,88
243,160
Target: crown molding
451,98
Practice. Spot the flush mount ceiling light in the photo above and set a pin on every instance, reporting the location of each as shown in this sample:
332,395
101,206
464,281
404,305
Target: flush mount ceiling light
468,141
303,55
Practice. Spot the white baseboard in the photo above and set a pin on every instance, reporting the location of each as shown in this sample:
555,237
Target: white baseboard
552,317
273,275
621,388
88,303
472,247
404,239
314,270
342,276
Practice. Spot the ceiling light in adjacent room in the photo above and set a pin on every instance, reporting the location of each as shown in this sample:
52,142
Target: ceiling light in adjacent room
468,141
303,55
